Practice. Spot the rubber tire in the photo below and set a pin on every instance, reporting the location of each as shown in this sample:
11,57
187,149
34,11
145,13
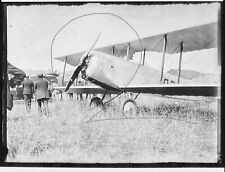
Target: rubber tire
96,101
135,107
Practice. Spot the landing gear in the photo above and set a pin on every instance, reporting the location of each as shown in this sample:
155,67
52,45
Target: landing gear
129,108
96,102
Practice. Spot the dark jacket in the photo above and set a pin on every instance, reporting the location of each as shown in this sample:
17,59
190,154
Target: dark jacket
41,88
18,76
28,86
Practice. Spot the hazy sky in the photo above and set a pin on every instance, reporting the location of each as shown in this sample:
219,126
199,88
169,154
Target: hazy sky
30,30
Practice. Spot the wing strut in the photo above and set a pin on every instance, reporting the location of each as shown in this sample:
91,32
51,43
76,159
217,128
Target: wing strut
143,61
163,58
128,52
113,49
64,69
179,72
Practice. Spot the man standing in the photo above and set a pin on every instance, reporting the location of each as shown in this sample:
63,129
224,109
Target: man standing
18,76
42,94
28,87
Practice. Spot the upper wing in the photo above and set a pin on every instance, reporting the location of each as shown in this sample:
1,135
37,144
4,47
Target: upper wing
18,74
193,38
176,90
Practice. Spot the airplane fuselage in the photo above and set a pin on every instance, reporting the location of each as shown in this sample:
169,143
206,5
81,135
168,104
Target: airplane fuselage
111,72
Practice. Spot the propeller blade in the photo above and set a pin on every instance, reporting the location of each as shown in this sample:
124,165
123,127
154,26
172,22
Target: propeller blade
94,43
79,68
74,76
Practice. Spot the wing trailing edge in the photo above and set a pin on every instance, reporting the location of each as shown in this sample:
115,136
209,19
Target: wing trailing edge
165,89
193,38
176,90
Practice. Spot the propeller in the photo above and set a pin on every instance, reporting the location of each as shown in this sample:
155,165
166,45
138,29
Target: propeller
79,68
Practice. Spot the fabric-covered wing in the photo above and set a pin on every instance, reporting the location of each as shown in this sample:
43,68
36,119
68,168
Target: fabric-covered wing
73,59
176,90
162,89
193,38
85,90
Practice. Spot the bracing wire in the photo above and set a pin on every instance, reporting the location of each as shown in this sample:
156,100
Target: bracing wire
104,104
174,50
139,66
85,15
191,59
150,117
135,72
121,91
153,50
156,45
139,63
178,98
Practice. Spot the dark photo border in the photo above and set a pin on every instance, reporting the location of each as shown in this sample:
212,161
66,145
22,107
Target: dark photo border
3,67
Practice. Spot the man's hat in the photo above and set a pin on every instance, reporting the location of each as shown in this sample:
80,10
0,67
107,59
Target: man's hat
40,75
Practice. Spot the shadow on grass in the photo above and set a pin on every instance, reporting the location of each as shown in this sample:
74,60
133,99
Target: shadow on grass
65,136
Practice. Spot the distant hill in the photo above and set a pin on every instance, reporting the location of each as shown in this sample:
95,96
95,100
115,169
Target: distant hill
206,78
36,72
195,76
185,74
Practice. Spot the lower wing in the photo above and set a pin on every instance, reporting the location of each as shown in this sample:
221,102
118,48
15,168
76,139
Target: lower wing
85,90
176,90
162,89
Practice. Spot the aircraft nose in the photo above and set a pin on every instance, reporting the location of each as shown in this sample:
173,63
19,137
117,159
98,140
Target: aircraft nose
85,62
85,59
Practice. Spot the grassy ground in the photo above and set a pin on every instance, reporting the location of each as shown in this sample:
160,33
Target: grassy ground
65,136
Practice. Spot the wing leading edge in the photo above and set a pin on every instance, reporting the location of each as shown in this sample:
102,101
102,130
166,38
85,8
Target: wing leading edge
193,38
85,90
177,90
166,89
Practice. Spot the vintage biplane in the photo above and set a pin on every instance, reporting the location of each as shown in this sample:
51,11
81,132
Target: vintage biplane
104,67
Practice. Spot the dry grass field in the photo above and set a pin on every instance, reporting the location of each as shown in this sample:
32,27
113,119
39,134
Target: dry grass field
167,130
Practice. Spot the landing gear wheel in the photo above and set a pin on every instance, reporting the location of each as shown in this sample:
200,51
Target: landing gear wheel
96,102
130,108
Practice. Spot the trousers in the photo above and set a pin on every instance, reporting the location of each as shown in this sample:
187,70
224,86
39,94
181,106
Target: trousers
43,106
27,99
